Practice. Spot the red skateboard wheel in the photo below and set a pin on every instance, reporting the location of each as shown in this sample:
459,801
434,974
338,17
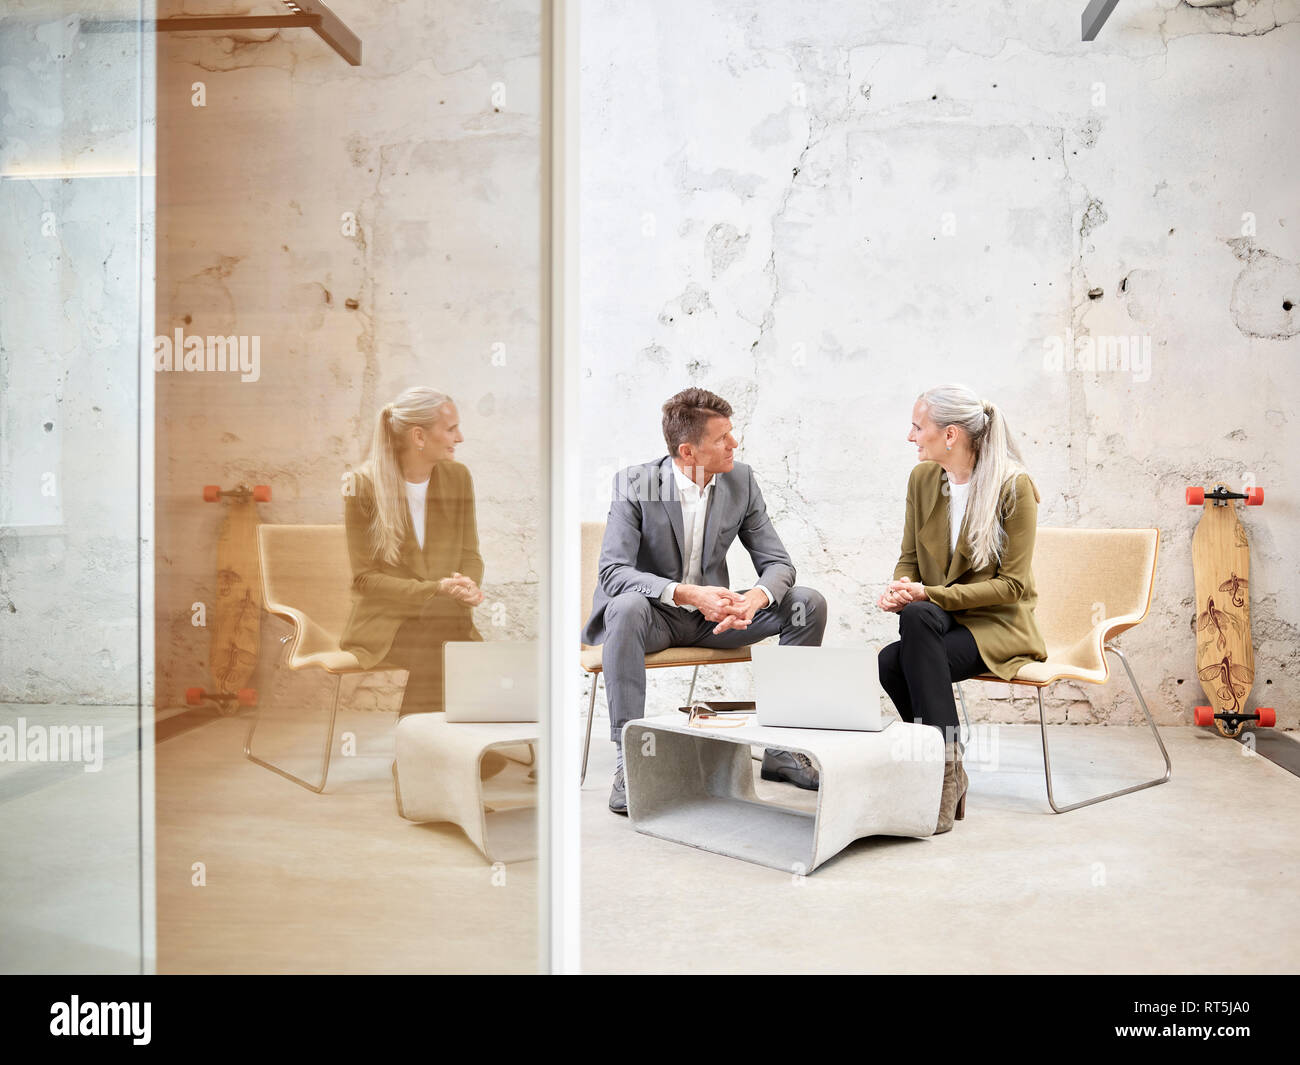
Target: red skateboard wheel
262,493
1204,715
1195,497
194,696
211,493
1267,716
247,696
1255,497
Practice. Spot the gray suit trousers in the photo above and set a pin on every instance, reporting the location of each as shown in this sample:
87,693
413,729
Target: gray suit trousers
637,625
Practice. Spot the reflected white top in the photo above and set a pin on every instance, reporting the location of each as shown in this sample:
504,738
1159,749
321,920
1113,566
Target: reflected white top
416,494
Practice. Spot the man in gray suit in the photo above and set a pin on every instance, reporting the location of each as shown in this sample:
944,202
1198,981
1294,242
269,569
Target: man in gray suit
663,569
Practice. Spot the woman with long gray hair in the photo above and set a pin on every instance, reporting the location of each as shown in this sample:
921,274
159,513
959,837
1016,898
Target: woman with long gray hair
963,588
413,544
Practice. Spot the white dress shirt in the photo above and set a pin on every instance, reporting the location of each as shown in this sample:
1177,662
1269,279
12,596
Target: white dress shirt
957,496
695,509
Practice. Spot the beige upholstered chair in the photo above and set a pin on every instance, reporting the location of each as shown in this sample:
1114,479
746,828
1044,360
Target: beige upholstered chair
593,532
1093,584
307,579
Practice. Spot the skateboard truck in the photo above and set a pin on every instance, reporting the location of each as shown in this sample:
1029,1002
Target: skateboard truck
1263,717
1196,497
259,493
243,697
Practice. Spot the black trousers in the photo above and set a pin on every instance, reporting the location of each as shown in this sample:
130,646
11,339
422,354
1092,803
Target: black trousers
932,651
418,648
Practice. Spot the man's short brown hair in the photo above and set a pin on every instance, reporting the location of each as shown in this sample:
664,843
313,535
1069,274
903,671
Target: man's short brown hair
687,414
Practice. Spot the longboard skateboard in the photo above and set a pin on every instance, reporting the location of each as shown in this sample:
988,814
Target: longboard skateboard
238,609
1225,655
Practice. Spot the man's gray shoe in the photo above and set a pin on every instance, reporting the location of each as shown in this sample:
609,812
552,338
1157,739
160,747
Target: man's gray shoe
791,767
618,794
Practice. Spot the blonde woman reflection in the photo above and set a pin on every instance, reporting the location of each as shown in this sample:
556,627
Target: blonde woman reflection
413,543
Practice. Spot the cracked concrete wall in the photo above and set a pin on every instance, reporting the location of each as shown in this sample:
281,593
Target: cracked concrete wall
70,310
820,209
431,147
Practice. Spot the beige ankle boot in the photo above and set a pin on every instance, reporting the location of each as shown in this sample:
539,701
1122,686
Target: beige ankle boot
952,803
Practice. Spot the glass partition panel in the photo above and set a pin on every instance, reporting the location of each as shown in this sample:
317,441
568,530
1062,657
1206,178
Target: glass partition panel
349,371
75,202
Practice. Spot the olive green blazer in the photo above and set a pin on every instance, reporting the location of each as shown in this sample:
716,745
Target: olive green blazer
997,602
384,595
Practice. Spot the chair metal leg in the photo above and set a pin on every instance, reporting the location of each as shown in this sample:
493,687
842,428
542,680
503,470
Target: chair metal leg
691,694
591,713
1047,765
963,740
325,754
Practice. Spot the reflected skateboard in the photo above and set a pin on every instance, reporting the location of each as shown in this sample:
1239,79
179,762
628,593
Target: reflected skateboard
238,609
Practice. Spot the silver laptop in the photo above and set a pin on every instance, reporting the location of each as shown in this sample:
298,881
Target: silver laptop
818,687
491,681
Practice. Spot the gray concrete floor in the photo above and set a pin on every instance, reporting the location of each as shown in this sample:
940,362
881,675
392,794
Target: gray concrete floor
1197,875
337,882
294,882
70,868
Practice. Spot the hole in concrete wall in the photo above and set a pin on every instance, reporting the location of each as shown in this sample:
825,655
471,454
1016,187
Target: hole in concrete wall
1286,305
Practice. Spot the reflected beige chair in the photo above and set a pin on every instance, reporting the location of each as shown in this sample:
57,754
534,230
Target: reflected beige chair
1093,584
593,532
307,580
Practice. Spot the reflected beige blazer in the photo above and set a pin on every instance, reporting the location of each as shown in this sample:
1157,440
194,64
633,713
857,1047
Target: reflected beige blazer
383,595
997,602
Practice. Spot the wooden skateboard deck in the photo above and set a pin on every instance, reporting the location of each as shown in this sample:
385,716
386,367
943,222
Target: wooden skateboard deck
236,629
1225,654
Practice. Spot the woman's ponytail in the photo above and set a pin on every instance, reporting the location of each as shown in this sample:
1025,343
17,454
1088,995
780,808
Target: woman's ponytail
997,464
417,406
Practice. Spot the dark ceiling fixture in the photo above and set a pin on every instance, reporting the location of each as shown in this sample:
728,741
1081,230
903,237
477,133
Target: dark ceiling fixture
305,14
1095,16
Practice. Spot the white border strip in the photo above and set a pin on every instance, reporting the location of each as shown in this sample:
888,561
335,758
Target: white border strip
559,885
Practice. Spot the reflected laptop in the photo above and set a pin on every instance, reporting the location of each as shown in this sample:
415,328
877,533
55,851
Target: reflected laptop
817,687
490,681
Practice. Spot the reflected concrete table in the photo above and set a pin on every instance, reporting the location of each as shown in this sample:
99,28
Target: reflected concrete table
696,786
436,777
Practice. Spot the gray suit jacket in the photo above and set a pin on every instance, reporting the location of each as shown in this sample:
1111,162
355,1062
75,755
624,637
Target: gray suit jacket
644,549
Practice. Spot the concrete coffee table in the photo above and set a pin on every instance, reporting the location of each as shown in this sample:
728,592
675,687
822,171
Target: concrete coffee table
696,786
